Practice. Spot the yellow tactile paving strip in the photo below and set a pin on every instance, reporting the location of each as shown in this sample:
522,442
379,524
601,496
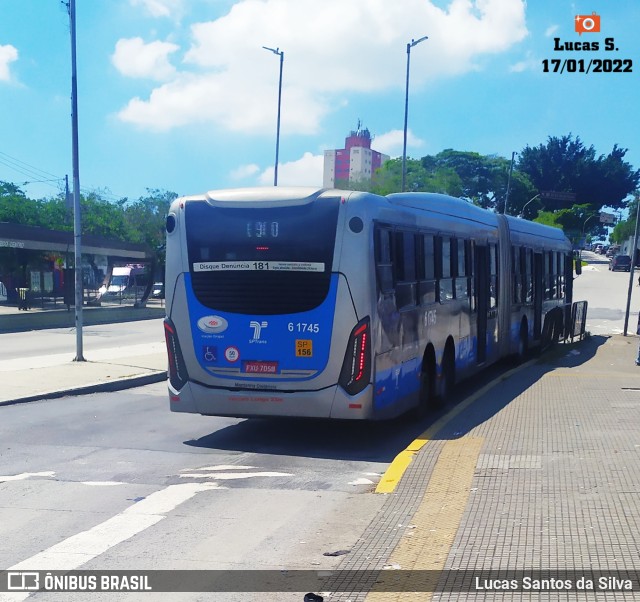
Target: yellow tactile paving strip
427,544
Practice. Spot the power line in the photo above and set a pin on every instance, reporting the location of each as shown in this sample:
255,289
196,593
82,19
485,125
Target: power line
36,175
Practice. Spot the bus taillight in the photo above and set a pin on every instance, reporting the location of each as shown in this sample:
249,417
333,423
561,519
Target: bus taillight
356,368
177,369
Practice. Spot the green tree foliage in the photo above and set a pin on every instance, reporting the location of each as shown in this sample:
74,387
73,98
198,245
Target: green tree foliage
565,164
576,221
140,222
624,230
145,220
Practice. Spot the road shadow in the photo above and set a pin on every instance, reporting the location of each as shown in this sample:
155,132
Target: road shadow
382,441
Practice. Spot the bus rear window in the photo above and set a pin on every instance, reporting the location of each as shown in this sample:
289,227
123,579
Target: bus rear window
261,260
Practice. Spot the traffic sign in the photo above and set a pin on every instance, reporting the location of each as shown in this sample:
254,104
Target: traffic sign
553,195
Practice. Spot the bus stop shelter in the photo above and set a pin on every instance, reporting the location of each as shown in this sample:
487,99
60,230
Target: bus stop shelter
36,263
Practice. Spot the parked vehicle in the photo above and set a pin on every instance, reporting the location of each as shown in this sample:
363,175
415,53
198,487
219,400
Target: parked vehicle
157,292
620,262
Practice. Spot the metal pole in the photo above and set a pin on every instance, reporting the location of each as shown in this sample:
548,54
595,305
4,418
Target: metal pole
77,223
280,53
406,118
406,112
631,269
506,200
275,173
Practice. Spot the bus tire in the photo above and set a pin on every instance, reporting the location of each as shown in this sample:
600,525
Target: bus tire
448,376
523,342
427,400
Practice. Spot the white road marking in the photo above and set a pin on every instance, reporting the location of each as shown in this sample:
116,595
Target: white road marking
361,482
79,549
228,476
220,467
102,483
26,475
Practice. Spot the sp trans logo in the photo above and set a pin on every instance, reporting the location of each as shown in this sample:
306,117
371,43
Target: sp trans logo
257,330
577,63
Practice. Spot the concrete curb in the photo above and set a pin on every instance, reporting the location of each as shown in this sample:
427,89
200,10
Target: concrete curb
105,387
61,318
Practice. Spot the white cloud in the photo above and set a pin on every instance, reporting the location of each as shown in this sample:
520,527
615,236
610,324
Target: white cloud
160,8
332,48
133,58
391,142
8,54
244,171
528,64
551,30
306,171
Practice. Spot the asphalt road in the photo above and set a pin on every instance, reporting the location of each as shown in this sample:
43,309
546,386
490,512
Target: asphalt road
120,478
607,294
116,481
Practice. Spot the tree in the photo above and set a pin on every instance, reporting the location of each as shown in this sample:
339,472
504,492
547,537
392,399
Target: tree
624,230
564,164
145,220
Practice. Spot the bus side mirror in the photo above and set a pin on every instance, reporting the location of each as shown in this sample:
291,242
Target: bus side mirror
578,263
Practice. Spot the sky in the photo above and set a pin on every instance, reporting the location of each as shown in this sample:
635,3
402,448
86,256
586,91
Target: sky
180,95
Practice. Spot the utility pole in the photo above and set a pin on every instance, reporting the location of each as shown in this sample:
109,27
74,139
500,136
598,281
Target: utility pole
280,53
506,200
410,45
631,269
77,222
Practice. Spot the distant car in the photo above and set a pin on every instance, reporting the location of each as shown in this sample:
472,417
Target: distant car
157,292
620,262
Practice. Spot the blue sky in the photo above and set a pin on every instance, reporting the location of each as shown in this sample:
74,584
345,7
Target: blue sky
180,95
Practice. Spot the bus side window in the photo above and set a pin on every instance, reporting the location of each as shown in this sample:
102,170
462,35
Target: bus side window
405,269
548,256
384,266
426,269
517,274
462,280
470,272
528,275
493,276
560,271
445,280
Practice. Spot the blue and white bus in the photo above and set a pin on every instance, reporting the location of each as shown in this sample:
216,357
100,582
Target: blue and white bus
342,304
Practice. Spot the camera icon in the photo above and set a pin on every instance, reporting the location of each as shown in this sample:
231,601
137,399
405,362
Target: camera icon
587,23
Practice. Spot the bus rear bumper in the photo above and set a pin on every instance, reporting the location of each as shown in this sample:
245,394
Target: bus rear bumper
332,402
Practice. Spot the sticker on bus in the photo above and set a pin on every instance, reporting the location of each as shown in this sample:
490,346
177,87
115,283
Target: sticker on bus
304,348
272,266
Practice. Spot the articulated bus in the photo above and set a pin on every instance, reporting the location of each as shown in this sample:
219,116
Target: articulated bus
342,304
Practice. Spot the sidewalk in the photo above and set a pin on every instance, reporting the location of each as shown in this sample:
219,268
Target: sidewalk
531,480
50,376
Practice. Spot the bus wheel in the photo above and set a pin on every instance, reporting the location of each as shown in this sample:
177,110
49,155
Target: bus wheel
427,397
448,376
523,343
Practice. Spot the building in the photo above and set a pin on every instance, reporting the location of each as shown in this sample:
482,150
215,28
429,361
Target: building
353,163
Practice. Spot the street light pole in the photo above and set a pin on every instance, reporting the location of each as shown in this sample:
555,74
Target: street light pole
525,205
410,45
77,224
631,272
280,53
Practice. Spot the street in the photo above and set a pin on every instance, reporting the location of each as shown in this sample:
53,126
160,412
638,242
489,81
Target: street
114,481
606,293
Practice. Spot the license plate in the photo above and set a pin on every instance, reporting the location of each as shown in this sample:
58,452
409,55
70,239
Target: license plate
304,348
259,367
